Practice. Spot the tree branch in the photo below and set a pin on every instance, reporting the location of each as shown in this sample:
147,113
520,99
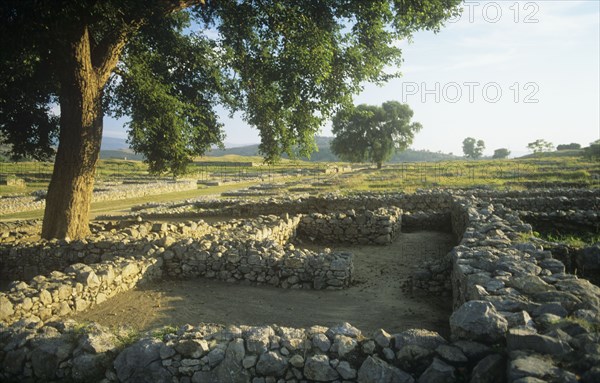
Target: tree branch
106,54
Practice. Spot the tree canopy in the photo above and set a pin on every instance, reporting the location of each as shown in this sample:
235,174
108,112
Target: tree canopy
286,65
540,145
501,153
473,148
571,146
372,133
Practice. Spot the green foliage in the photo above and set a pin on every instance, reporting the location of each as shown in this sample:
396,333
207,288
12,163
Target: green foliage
165,330
540,145
592,152
287,65
373,133
473,148
571,146
579,240
501,153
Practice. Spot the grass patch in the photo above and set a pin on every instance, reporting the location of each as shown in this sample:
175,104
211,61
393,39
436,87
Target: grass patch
577,241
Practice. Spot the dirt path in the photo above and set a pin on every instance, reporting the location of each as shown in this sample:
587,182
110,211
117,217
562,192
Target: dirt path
375,300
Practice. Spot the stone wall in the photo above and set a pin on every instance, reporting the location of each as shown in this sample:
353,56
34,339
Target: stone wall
510,291
15,204
423,200
80,286
259,262
25,260
378,227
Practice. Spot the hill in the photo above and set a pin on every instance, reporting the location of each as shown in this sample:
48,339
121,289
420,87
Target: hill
118,148
324,153
556,153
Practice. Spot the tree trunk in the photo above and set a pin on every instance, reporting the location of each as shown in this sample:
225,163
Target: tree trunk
72,183
379,165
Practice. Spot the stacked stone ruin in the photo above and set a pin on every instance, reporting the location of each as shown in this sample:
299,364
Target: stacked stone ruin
519,315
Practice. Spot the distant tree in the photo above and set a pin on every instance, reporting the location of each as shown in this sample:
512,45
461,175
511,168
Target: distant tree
540,145
592,152
571,146
473,148
501,153
372,133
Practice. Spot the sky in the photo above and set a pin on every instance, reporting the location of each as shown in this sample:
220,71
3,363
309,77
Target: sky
507,72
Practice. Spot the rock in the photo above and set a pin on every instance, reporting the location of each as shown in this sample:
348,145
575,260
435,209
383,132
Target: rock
47,354
519,319
97,340
592,375
271,363
529,284
343,329
321,342
438,372
551,308
368,347
317,368
479,321
414,359
6,308
257,339
14,361
297,361
89,367
216,355
419,337
192,348
491,369
522,339
129,270
343,345
141,362
382,338
473,350
451,354
532,365
375,370
345,370
249,361
232,368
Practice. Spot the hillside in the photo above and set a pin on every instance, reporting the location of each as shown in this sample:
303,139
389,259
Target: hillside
324,153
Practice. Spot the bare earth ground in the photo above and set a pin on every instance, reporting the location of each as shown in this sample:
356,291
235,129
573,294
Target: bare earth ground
376,299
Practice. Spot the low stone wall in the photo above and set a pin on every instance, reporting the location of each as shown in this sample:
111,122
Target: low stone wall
109,193
259,262
425,200
251,250
26,260
80,286
212,353
378,227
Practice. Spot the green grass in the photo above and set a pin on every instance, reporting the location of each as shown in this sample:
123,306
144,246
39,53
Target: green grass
407,177
577,241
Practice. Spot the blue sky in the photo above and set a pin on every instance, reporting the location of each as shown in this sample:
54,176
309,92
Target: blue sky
507,72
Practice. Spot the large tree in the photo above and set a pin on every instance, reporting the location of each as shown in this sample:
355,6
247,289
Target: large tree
501,153
372,133
473,148
287,65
